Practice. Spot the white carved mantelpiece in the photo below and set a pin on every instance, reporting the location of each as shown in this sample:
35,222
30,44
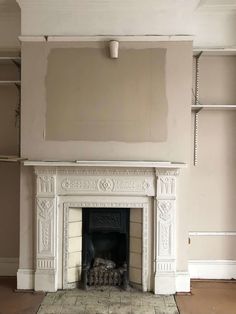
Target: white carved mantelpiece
150,186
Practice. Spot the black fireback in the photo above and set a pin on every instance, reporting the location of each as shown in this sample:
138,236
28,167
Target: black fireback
105,237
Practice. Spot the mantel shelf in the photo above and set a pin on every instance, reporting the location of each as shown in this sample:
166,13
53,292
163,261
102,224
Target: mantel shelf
106,163
213,107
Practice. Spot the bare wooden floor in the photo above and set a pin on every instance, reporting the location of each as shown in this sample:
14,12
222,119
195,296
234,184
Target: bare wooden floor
12,302
209,297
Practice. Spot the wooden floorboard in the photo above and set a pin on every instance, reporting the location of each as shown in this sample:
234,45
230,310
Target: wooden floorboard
209,297
12,302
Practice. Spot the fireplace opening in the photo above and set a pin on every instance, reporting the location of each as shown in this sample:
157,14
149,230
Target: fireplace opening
105,247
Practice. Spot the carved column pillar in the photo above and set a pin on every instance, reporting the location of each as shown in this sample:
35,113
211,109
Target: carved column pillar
165,237
45,262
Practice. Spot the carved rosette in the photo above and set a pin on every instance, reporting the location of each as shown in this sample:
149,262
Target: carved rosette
105,185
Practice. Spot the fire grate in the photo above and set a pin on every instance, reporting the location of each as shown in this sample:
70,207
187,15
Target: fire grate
104,272
99,277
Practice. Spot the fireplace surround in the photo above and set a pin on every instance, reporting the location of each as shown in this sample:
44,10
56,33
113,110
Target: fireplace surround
65,189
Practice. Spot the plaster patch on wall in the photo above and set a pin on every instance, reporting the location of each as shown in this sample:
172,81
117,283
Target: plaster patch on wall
91,97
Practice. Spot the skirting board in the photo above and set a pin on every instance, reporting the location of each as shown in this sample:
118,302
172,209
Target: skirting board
25,279
182,282
212,269
8,266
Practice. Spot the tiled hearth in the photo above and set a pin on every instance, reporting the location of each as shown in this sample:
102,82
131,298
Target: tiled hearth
63,189
107,301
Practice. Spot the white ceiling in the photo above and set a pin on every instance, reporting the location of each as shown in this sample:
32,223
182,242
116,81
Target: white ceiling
210,21
11,5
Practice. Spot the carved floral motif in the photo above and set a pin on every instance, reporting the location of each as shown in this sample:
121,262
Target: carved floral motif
164,210
45,213
165,227
76,184
45,208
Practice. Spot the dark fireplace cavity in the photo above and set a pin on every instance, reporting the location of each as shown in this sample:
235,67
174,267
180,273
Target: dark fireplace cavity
105,250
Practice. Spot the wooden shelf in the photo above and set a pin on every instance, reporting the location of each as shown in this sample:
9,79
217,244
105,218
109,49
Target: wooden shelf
8,158
213,107
9,82
10,58
215,51
7,60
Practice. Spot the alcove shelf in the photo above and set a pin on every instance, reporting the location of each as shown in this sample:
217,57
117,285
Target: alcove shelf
213,107
12,58
11,158
229,51
10,82
197,106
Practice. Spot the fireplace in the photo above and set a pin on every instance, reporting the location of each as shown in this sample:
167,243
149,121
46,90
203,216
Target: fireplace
129,206
105,249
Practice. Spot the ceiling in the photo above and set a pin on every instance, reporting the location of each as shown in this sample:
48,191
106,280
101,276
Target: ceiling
12,6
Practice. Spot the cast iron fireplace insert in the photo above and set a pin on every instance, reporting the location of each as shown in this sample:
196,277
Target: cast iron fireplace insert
105,247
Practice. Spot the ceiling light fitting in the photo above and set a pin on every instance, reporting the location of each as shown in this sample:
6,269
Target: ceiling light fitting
114,49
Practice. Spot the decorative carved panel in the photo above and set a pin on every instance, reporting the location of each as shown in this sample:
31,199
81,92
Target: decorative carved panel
165,228
107,185
46,184
45,232
165,220
45,263
45,181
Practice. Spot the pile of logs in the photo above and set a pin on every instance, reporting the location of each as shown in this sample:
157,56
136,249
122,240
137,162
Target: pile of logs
104,272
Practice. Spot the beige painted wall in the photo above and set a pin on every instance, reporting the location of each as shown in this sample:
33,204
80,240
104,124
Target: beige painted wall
106,99
9,222
8,130
10,24
9,172
178,90
34,146
213,180
213,248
